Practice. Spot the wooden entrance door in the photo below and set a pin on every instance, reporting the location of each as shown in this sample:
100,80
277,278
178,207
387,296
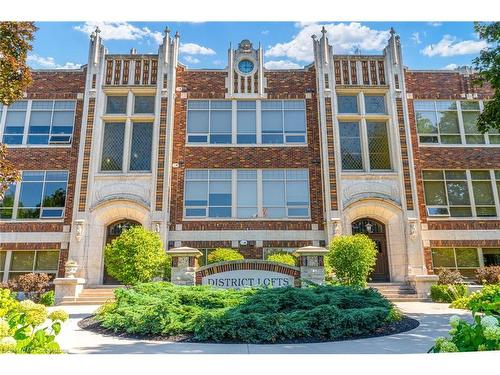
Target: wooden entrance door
112,232
376,231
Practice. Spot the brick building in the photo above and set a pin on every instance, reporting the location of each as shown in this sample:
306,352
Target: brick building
250,158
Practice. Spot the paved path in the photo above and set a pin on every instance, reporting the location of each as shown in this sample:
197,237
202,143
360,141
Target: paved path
433,318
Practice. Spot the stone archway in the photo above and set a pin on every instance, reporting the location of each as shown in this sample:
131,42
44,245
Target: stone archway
392,217
101,217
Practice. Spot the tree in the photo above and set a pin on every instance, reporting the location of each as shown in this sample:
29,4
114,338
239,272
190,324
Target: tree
352,258
15,75
223,255
136,256
8,173
488,66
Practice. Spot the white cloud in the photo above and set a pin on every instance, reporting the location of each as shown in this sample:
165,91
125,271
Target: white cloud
434,24
450,67
344,36
49,63
195,49
265,32
415,37
120,31
449,46
282,64
191,60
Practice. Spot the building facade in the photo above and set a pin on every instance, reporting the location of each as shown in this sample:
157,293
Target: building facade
250,158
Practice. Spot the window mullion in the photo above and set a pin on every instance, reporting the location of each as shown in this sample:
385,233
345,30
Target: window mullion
480,256
234,192
43,194
27,122
127,144
260,194
364,145
487,135
258,121
471,193
460,122
51,120
446,192
234,122
209,138
8,259
17,193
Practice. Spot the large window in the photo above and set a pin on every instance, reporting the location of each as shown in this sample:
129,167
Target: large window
112,146
211,122
466,260
363,133
460,193
16,263
451,122
144,104
40,195
39,122
116,105
246,193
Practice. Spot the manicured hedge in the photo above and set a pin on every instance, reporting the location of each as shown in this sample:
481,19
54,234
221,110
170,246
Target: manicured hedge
250,315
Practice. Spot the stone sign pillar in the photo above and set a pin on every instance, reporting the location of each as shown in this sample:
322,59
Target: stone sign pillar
311,261
184,265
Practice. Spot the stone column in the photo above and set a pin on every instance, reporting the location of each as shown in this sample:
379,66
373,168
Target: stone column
184,265
311,261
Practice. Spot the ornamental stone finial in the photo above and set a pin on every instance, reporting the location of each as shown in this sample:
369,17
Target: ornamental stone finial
313,36
323,30
392,31
167,30
97,30
177,35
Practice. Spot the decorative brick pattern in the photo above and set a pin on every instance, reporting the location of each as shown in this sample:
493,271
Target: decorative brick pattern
331,154
86,155
404,155
160,173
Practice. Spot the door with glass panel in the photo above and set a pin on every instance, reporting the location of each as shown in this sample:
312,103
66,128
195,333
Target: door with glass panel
376,231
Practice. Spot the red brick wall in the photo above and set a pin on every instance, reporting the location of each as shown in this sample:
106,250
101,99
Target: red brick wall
50,85
281,85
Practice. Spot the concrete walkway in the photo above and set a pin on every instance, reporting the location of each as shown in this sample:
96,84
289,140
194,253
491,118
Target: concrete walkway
433,318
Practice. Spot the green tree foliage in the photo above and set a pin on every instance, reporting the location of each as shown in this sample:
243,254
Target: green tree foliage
15,75
223,255
488,66
136,256
352,258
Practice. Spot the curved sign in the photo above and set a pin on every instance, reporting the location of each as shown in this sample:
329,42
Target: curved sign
247,274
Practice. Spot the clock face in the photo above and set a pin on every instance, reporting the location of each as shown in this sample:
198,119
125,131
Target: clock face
245,66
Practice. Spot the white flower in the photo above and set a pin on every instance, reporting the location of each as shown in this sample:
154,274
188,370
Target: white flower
492,333
7,344
454,321
489,321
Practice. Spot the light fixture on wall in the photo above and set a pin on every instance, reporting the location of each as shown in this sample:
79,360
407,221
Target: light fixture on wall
369,227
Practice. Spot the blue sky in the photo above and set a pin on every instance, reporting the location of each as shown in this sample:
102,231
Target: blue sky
426,45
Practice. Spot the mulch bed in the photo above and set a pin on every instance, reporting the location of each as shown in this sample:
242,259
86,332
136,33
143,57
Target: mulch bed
403,325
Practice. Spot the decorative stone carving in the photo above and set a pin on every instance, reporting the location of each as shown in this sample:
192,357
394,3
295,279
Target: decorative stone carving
156,227
368,188
80,227
412,229
337,227
127,189
70,268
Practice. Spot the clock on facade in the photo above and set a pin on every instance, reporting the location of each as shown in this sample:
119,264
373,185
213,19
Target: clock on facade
245,66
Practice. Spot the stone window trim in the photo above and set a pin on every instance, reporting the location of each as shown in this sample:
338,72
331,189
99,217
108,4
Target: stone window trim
495,185
17,193
26,127
258,126
260,199
488,137
6,263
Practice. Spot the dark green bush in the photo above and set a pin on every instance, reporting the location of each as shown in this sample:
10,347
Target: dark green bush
248,315
448,293
223,255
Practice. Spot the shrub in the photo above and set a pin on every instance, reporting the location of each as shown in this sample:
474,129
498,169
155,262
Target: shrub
248,315
136,256
352,258
461,303
32,285
223,255
481,335
448,293
167,268
449,277
24,328
487,300
488,275
48,298
285,258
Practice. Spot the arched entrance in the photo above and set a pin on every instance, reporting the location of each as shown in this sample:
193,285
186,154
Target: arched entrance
376,231
113,231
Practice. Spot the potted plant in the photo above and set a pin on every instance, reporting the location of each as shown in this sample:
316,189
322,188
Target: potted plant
70,268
